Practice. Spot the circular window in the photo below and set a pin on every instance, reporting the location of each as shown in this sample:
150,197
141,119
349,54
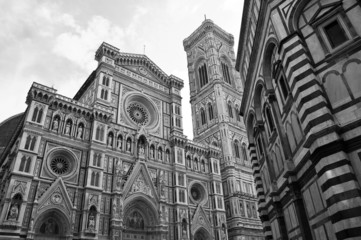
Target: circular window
138,113
60,165
61,162
140,110
198,192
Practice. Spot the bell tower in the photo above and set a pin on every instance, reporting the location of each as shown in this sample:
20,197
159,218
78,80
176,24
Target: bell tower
216,94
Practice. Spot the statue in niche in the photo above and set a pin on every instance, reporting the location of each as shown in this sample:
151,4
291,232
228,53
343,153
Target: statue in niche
91,222
162,183
55,124
80,132
160,154
110,140
119,143
129,148
67,128
135,220
114,209
152,152
167,156
141,149
241,208
184,228
249,214
14,212
120,208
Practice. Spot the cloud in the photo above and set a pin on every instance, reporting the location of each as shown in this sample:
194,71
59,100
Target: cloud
79,44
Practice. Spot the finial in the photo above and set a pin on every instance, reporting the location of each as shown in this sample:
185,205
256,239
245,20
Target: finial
144,49
205,17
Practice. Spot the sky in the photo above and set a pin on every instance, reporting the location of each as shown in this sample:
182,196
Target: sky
53,42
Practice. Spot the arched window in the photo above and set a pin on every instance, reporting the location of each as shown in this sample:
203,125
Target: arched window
203,116
104,80
230,111
184,227
22,164
210,111
35,114
269,119
97,133
284,89
27,143
27,166
296,128
236,149
225,72
99,159
102,133
106,94
92,179
107,83
97,177
238,117
95,158
291,137
203,75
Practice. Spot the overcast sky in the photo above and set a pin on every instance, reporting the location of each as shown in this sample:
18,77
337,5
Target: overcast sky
53,42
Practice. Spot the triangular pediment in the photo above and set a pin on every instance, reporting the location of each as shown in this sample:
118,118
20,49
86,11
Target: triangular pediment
56,197
199,220
141,65
140,182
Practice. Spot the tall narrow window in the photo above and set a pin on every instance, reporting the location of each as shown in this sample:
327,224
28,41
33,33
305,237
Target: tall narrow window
22,164
269,119
225,71
40,115
27,143
210,111
35,114
203,75
238,117
203,116
230,111
244,152
236,149
284,87
32,145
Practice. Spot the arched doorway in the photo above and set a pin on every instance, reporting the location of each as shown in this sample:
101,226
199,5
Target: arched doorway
52,225
201,234
140,220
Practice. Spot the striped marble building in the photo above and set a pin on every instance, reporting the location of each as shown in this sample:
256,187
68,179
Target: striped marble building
300,62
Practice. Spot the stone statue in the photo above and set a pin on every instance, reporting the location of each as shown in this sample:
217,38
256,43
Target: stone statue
152,152
141,149
129,148
55,124
14,212
160,154
91,224
31,225
167,156
80,132
114,209
110,141
49,228
67,129
119,143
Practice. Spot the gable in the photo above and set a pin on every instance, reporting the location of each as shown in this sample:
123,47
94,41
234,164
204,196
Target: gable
56,197
140,182
199,220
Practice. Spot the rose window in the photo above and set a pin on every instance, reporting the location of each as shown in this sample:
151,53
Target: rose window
138,113
60,165
198,192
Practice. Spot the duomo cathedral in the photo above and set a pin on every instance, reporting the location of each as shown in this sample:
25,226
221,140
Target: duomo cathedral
113,163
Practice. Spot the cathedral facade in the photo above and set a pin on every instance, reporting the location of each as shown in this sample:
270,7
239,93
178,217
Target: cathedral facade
300,64
113,163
